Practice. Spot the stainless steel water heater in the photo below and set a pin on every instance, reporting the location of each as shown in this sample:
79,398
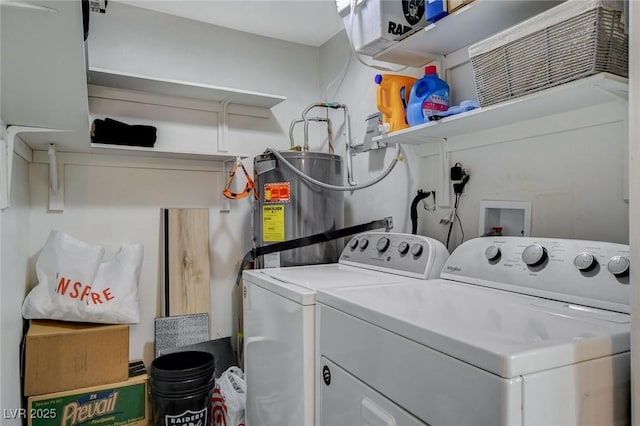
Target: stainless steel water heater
287,207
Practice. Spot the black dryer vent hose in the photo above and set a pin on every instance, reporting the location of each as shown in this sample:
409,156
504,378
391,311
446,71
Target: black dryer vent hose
414,208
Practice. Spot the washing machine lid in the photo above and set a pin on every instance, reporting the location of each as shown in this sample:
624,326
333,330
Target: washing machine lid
505,333
300,283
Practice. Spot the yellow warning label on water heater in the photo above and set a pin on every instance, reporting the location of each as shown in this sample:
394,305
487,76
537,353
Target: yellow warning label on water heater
273,223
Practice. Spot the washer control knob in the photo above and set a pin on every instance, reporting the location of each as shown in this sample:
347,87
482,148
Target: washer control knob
584,261
382,245
416,250
403,247
619,265
492,253
364,243
534,255
353,243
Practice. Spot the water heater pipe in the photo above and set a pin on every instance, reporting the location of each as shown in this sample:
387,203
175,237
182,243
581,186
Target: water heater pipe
353,186
318,119
347,124
336,187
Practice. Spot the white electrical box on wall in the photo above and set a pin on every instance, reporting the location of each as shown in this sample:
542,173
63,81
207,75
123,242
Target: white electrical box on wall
506,218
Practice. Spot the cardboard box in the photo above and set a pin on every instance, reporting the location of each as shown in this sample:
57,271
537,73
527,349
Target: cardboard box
453,5
124,403
60,356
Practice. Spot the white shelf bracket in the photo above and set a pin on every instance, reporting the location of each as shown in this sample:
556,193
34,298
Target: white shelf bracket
6,159
53,169
56,181
223,126
444,192
225,203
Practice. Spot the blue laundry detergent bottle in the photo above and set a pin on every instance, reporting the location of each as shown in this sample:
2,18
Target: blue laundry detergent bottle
435,10
429,96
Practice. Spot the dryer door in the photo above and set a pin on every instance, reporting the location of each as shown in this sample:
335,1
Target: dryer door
278,359
345,400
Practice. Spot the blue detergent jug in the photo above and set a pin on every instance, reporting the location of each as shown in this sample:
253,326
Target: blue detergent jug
429,96
435,10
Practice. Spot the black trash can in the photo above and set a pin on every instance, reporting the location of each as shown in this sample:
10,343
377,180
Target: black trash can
181,384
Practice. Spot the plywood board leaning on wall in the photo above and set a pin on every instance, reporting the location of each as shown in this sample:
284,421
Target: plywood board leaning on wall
187,268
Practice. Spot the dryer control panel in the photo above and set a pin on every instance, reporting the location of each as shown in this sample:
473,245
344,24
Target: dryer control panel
409,255
588,273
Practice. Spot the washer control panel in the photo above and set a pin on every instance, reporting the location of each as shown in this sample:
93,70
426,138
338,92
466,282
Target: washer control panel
403,254
592,273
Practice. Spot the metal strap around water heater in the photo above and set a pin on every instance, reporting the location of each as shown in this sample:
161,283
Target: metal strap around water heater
386,223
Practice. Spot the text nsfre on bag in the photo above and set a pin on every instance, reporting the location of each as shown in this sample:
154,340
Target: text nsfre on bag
82,291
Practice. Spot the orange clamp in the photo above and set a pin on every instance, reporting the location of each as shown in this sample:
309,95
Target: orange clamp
247,188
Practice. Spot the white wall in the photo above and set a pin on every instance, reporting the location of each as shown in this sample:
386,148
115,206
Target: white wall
571,167
111,205
108,204
139,41
15,254
392,196
573,177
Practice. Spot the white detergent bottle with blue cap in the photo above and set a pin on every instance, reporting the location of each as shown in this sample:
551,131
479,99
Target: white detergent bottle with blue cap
429,96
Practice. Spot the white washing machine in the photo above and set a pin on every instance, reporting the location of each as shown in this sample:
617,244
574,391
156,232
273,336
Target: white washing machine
517,331
279,317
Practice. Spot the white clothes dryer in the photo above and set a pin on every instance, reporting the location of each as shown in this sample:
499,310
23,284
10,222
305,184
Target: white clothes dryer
279,317
517,331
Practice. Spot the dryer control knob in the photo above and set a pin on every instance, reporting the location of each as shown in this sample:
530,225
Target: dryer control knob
619,265
492,253
534,255
353,243
416,250
584,261
403,247
364,243
382,245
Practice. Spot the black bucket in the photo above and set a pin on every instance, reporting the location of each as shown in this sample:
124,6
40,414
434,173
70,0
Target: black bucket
181,384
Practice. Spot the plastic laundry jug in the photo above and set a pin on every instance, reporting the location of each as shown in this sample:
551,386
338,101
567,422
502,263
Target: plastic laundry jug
435,10
429,96
393,96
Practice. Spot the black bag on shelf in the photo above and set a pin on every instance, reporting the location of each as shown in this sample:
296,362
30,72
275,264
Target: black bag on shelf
115,132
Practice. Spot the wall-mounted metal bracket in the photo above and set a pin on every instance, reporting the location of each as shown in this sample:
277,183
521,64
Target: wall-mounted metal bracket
225,203
223,126
6,159
444,191
56,181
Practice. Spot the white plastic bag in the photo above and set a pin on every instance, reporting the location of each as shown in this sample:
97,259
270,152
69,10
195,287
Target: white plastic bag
229,398
84,282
